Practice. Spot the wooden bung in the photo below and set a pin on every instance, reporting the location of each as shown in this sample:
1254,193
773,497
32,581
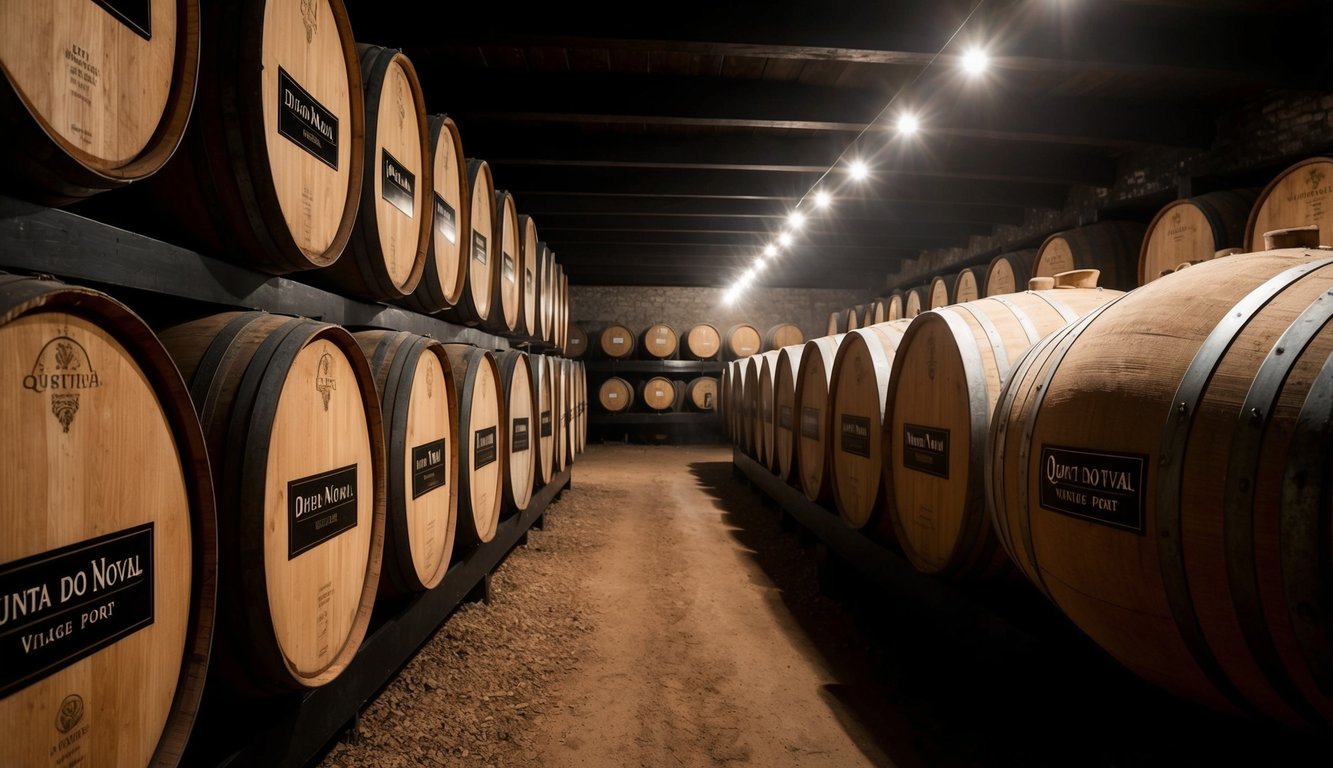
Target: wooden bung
445,273
784,408
1292,237
108,543
812,408
294,432
520,455
419,404
474,305
1111,246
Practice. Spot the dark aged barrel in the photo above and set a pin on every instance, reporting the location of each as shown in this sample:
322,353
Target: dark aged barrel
271,169
544,440
527,229
741,340
93,98
481,442
1109,246
507,288
1009,272
1299,196
659,341
941,291
83,374
420,409
616,342
474,305
784,408
1193,230
445,273
857,388
967,285
578,341
1172,500
520,451
387,252
946,377
735,410
812,402
782,335
292,419
702,342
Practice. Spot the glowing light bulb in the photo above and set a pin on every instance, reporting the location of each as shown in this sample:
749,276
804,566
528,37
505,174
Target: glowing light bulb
859,170
975,62
796,219
784,239
908,124
823,199
770,250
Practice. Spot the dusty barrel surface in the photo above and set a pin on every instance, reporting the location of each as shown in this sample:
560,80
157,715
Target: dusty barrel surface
1193,230
474,305
1299,196
137,566
96,95
812,412
445,272
481,415
520,455
420,410
1170,499
294,431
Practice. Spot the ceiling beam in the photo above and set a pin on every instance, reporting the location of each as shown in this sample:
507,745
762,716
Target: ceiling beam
555,228
550,208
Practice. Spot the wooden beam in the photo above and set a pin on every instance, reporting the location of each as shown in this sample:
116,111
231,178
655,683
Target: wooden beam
551,208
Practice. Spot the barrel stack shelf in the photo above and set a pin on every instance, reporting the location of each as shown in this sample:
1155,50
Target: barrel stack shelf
161,281
682,424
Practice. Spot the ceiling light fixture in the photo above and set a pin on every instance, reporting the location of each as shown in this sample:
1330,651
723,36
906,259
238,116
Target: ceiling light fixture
975,62
770,250
859,170
908,124
823,199
796,219
784,239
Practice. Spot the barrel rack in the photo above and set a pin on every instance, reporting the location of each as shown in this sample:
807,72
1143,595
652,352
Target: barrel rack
153,278
692,424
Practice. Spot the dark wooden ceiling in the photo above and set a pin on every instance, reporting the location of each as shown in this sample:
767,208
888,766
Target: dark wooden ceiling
664,144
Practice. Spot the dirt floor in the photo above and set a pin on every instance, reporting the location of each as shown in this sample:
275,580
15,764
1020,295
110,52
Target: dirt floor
665,617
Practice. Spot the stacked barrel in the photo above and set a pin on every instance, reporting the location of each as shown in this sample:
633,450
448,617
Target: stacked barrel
664,391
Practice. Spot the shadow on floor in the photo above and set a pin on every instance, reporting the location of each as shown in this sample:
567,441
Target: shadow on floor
911,693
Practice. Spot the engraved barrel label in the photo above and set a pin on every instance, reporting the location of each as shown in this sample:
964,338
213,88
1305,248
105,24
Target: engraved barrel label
520,435
61,606
1100,486
428,467
135,14
926,449
305,122
400,184
856,435
63,368
446,221
479,247
483,447
810,422
320,507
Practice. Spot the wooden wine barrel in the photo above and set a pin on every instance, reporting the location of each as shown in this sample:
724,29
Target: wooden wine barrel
481,411
895,306
857,388
94,97
545,438
1174,504
387,253
85,375
834,323
941,291
782,335
581,406
1009,272
702,342
420,409
271,170
659,342
812,410
578,341
1109,246
879,313
562,323
916,300
741,340
736,406
445,274
1299,196
520,455
615,395
657,394
967,285
946,376
506,286
701,394
851,320
571,427
768,364
751,421
527,228
559,393
1192,230
616,342
294,433
474,305
784,408
545,297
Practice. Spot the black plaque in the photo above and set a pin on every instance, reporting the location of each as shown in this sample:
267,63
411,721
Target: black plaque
400,184
306,122
520,435
135,14
1100,486
546,423
810,422
856,435
428,467
483,447
479,247
446,220
319,508
926,449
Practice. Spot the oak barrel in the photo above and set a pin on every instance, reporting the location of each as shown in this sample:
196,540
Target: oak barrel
752,422
741,340
967,285
946,376
812,402
527,245
1109,246
520,454
701,393
1193,230
562,308
736,406
93,97
768,365
657,394
615,395
782,335
915,301
659,341
294,432
616,342
857,388
474,304
507,286
879,312
578,341
387,252
894,307
545,297
560,392
1009,272
445,274
835,324
581,406
941,291
544,441
271,169
481,438
107,487
1172,499
702,342
1299,196
419,404
784,408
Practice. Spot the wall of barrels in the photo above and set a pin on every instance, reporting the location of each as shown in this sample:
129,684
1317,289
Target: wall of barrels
1147,457
293,374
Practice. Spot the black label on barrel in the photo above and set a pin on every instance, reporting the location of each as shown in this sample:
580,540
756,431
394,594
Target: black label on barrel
926,449
508,267
400,184
64,605
856,435
305,121
483,447
520,435
810,423
428,467
446,221
546,423
320,507
135,14
1099,486
784,416
479,247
